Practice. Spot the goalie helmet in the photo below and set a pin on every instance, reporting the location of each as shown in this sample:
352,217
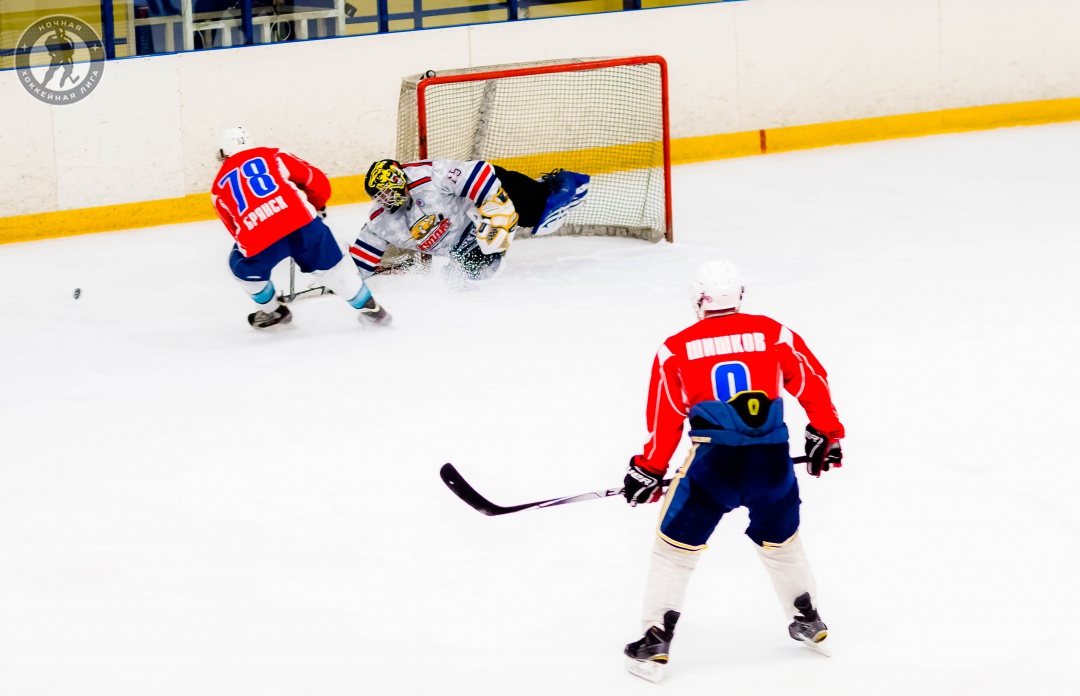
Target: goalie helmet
233,140
386,184
718,287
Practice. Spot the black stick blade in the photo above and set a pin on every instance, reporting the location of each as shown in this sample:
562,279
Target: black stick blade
461,488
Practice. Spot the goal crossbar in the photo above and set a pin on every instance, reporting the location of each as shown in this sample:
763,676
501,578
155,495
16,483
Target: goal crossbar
614,153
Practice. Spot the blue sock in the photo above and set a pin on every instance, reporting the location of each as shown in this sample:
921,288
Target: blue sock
266,294
361,297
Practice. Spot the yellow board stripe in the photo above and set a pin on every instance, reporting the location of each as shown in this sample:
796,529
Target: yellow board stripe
596,160
170,211
928,123
350,189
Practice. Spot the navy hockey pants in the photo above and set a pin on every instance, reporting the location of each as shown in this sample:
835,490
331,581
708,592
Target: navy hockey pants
726,470
313,247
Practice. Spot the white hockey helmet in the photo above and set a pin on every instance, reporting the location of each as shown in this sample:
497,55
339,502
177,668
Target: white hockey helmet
718,287
233,140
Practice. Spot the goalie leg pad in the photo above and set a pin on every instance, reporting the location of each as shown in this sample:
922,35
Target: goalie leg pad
568,192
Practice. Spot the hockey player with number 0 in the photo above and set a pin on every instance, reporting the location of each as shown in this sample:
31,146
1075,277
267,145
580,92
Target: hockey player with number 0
467,211
272,203
724,375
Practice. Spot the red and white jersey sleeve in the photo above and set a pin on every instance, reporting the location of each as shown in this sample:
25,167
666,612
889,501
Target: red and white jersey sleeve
475,180
665,412
264,194
719,357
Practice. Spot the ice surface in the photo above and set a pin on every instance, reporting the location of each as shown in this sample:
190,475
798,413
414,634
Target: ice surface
189,507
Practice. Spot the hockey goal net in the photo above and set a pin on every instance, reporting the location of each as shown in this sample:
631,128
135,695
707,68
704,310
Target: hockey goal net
604,117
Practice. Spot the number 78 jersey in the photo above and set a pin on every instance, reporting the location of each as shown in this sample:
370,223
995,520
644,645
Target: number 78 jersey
264,194
718,357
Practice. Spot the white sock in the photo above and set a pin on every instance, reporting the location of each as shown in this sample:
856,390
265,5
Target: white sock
259,288
343,278
790,572
669,572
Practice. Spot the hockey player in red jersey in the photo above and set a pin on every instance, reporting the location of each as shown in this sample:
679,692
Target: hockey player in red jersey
272,203
724,374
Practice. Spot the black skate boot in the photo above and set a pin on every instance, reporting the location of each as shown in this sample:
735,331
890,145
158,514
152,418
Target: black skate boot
264,320
371,312
648,655
808,626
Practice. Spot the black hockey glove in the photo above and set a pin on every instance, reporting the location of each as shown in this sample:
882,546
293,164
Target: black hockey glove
641,486
821,453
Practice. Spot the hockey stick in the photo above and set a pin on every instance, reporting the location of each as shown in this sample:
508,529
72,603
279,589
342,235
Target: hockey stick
317,291
461,488
293,294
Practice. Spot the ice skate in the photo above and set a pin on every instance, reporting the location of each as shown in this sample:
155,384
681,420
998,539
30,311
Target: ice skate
647,656
808,628
264,320
371,312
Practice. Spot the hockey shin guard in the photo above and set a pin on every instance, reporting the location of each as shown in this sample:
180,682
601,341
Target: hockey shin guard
789,571
669,572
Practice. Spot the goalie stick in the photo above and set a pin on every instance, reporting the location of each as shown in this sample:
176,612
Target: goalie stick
461,488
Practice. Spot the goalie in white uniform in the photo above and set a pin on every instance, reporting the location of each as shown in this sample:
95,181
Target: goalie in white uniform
467,211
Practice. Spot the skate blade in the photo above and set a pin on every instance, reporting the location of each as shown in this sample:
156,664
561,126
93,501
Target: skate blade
281,326
649,670
819,647
369,320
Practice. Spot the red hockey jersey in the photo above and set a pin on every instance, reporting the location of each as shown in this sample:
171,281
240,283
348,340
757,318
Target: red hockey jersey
264,194
718,357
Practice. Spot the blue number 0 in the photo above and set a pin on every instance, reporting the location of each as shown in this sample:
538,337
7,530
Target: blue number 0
258,178
729,379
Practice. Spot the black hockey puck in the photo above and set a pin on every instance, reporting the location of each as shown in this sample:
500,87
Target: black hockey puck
77,293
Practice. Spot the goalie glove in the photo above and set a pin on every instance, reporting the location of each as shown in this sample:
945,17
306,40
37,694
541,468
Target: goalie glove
822,453
495,224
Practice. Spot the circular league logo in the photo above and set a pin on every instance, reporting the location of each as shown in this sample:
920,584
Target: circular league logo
60,59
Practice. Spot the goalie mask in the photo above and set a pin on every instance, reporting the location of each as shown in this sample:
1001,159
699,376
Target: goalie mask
233,140
385,183
718,288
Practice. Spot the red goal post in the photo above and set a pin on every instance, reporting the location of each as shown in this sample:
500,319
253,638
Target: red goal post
604,117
